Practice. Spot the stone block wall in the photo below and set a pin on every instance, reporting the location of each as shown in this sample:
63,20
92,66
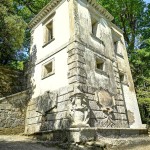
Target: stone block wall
53,110
12,113
93,96
11,81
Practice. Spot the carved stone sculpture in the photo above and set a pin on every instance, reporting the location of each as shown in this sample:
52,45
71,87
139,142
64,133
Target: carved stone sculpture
106,101
79,111
46,104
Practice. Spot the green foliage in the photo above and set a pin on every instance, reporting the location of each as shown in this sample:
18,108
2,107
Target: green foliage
28,9
140,64
133,17
144,105
130,16
32,7
12,28
14,36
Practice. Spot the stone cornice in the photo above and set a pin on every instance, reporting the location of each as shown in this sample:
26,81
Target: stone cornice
50,6
101,9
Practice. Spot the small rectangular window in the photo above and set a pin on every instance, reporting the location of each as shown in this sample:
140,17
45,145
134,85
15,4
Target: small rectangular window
94,26
48,69
122,77
99,64
118,48
49,31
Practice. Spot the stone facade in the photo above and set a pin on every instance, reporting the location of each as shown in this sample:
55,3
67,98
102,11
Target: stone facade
81,77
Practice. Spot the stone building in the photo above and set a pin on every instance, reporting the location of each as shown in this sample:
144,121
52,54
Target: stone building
80,75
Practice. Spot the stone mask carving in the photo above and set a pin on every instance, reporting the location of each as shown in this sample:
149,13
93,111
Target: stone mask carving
46,103
79,110
105,99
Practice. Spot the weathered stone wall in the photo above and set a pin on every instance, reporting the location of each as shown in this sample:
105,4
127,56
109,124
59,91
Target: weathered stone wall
12,113
108,44
11,81
52,111
91,96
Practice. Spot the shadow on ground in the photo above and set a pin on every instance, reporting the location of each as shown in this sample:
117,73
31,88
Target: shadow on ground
19,145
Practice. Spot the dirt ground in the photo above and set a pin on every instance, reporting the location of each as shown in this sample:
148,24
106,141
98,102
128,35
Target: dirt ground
19,142
16,142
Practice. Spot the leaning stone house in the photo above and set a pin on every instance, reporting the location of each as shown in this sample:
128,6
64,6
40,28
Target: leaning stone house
79,75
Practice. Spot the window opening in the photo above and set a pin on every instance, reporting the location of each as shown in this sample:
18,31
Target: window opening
99,64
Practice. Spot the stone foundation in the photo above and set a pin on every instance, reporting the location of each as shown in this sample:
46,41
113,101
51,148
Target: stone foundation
78,135
45,113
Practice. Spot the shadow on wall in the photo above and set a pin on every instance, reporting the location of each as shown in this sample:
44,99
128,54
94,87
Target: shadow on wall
75,110
31,70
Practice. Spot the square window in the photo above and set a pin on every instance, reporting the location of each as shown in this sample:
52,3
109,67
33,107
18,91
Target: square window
48,69
99,64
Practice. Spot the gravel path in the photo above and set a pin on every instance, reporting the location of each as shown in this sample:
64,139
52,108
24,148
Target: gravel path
21,143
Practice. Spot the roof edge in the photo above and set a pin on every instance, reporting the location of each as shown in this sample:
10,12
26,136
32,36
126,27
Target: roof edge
101,9
52,4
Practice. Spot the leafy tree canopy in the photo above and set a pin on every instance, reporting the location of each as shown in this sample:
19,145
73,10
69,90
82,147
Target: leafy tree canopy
12,28
133,17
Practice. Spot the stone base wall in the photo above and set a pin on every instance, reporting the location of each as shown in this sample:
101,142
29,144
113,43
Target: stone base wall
79,135
12,113
52,111
11,81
